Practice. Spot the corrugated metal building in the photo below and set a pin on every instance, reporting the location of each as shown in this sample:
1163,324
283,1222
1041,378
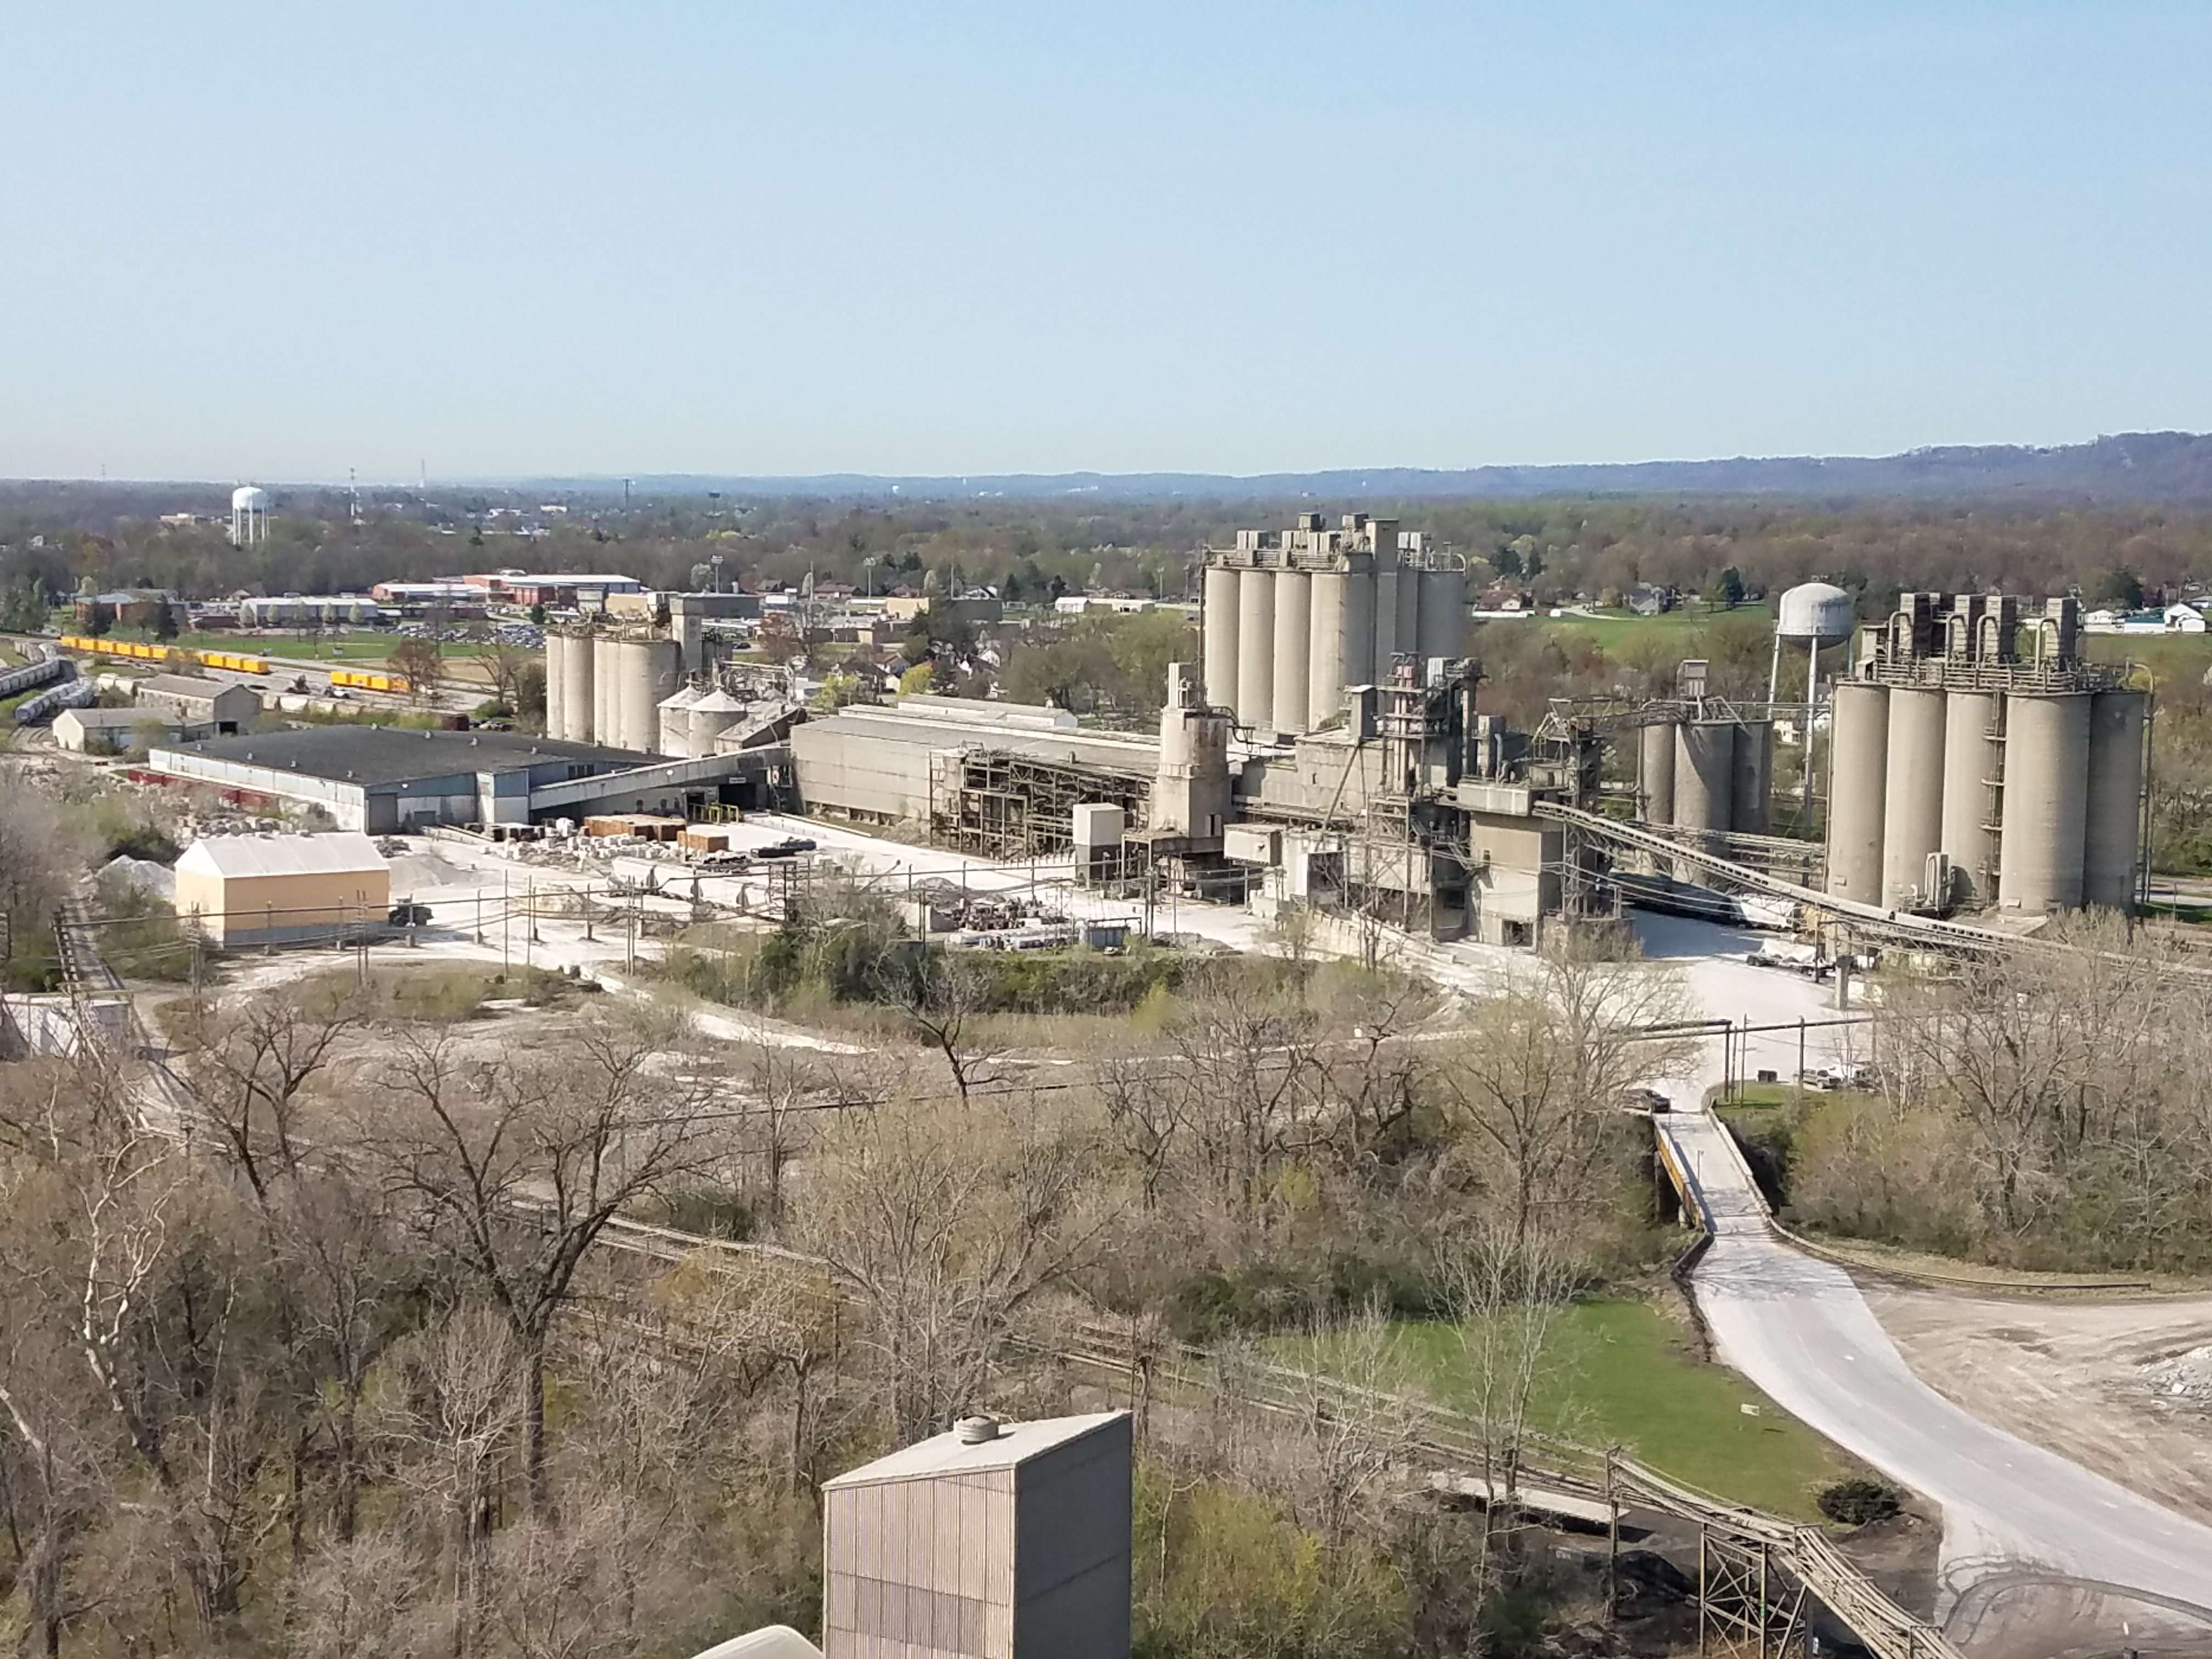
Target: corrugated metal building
1011,1546
192,701
876,764
260,889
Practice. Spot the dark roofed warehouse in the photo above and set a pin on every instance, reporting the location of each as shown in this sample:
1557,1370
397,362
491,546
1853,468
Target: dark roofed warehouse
382,779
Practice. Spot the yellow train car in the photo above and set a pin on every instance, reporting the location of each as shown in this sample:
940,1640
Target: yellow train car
363,682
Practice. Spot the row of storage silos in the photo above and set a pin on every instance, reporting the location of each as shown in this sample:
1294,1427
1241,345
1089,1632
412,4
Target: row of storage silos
1714,775
2029,801
1282,643
607,689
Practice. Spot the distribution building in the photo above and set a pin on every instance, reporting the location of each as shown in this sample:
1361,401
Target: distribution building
993,1541
262,889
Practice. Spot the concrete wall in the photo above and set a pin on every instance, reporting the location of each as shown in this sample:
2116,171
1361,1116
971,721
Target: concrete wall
346,803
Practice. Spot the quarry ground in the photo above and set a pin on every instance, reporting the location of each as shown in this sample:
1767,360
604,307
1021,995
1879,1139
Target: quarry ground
2121,1387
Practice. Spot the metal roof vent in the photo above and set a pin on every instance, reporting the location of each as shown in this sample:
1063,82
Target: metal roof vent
978,1429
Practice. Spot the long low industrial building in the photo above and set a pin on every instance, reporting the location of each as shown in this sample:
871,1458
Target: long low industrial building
384,780
1409,808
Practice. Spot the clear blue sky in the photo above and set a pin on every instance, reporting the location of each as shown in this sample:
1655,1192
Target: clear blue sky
511,236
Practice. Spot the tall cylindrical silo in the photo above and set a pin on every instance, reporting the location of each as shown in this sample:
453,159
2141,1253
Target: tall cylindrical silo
1293,647
1219,661
1859,770
656,669
1386,615
1325,680
1359,666
1255,649
2046,778
606,696
1704,763
1655,745
2112,832
1751,779
1970,768
557,685
1441,619
1912,794
576,705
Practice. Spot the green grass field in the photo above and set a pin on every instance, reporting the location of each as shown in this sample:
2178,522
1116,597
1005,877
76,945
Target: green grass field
1619,1374
1610,629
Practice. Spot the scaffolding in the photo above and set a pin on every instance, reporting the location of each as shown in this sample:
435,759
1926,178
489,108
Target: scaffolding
1003,805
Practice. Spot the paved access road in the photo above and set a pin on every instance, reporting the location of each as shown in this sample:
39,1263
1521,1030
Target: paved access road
1799,1328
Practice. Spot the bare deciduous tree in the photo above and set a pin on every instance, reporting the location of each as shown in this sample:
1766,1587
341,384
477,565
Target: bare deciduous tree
517,1183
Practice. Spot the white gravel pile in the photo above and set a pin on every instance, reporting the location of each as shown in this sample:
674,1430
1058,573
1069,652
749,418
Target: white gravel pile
2185,1377
144,874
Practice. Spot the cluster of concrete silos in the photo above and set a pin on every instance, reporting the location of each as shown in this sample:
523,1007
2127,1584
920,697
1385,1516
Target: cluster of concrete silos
2027,799
607,687
1293,618
1712,775
1977,759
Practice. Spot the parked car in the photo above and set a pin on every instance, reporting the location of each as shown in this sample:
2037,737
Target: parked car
409,915
1646,1100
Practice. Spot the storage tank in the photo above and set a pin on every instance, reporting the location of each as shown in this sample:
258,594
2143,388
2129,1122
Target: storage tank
1858,763
1970,767
1656,766
1751,779
1293,648
714,713
1325,664
2046,774
676,724
2113,828
1912,794
577,704
1441,621
1704,760
1359,668
606,675
1814,613
1255,649
650,672
557,686
1219,670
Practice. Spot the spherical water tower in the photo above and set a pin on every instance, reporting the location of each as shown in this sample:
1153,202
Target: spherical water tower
1813,615
249,515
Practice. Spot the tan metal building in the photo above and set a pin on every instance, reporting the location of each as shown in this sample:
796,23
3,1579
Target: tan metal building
261,890
994,1541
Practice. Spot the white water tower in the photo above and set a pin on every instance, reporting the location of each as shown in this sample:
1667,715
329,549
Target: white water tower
249,515
1813,615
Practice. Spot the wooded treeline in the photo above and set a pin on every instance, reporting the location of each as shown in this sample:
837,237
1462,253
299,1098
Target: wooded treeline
1032,550
343,1361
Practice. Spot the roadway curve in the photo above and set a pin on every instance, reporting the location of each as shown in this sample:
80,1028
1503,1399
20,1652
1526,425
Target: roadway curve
1798,1328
